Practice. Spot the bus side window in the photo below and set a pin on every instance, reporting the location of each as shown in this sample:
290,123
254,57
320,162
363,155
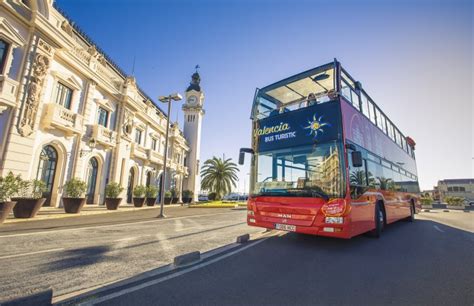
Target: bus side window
357,178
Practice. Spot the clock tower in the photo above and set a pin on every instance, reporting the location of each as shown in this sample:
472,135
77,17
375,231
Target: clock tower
193,114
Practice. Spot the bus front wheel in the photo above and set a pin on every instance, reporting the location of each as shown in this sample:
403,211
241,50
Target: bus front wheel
379,221
411,218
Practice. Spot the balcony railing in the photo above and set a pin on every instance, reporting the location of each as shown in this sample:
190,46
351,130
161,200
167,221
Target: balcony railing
138,151
8,89
104,136
57,117
155,157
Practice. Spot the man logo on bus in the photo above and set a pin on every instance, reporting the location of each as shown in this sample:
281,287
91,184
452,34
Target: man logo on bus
316,126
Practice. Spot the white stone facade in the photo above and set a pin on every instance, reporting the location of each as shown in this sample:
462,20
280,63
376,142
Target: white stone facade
67,111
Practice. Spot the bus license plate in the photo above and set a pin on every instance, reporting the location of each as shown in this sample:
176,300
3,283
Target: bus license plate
285,227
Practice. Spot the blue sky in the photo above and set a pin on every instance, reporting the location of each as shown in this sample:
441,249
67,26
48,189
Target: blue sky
413,57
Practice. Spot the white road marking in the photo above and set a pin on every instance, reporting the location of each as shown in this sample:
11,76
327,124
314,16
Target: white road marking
165,244
178,225
165,278
438,229
32,253
113,225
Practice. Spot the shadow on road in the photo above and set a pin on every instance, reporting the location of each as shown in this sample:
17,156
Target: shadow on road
77,258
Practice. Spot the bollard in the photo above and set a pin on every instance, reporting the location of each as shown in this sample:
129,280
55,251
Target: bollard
187,259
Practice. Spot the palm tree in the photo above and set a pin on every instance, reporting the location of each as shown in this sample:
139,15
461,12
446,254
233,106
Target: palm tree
385,183
219,176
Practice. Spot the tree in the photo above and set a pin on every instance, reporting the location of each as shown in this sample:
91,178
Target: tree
219,176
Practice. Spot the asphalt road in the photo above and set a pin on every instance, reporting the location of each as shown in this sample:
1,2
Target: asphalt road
428,262
73,254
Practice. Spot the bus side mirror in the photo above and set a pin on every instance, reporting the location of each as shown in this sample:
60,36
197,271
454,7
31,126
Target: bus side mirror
356,159
242,154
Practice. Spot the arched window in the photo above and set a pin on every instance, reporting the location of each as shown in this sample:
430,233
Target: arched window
47,169
92,169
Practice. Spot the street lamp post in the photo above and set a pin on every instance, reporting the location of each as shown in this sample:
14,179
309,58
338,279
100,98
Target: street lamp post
166,99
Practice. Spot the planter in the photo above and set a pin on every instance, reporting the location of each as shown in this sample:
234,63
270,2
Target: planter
112,203
426,206
174,200
187,200
73,205
27,207
167,200
459,207
138,202
150,201
5,209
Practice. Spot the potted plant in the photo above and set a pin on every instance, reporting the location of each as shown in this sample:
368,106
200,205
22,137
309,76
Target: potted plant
426,202
139,193
73,198
8,188
167,197
455,202
30,198
112,193
151,194
187,196
174,196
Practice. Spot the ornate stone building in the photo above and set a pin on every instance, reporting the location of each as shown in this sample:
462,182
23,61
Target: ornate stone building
66,110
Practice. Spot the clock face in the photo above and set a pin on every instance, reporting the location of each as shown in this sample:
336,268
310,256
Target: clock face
193,100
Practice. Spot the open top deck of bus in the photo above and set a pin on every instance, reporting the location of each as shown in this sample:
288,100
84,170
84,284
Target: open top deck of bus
323,84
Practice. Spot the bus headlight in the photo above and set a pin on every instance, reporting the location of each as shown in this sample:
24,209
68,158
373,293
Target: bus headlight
334,220
250,213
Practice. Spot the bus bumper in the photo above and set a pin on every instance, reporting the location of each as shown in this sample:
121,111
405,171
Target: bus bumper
318,228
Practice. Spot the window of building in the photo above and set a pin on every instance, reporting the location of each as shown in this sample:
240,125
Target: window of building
103,117
63,95
3,54
153,143
138,136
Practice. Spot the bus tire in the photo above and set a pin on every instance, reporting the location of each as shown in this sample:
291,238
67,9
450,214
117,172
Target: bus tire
411,218
379,219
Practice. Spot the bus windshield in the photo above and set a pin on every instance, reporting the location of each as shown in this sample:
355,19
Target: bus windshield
306,171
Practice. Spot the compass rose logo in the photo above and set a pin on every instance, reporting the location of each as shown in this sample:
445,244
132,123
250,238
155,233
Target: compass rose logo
316,126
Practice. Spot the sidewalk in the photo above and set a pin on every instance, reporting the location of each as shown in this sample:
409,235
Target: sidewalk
48,213
52,219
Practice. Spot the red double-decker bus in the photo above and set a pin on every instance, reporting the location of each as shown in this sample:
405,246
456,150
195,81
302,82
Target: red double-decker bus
326,160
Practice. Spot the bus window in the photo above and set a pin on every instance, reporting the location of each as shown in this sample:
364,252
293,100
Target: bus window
378,114
355,100
374,171
390,130
365,105
371,112
346,91
357,178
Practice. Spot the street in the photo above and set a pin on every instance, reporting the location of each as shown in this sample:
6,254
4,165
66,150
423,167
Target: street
77,253
428,262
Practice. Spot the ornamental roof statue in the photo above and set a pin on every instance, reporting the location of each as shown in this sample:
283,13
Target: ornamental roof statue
195,80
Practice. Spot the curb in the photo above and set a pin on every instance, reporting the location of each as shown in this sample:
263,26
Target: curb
243,238
187,259
445,210
42,298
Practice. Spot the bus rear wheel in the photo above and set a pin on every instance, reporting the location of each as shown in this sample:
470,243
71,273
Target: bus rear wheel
411,218
379,221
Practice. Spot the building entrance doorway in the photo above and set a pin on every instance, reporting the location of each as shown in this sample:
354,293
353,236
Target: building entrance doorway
46,172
